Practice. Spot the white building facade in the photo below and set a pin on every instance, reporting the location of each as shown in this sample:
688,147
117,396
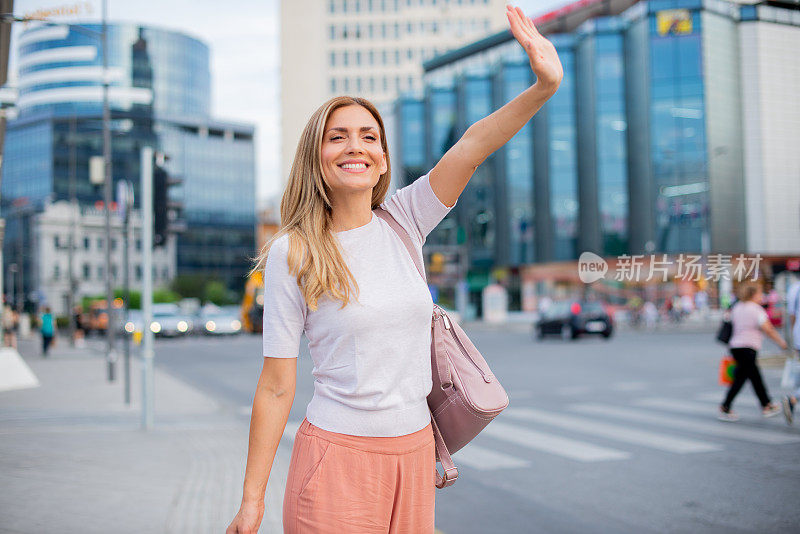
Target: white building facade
52,229
368,48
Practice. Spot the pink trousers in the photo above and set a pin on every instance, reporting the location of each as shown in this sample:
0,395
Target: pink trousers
343,484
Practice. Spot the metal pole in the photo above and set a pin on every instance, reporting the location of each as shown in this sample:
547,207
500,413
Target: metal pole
126,282
147,287
111,355
72,219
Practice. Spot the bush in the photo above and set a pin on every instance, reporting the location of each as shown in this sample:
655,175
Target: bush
163,295
62,322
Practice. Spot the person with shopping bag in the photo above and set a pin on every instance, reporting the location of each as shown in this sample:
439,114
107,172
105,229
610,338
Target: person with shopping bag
363,459
750,322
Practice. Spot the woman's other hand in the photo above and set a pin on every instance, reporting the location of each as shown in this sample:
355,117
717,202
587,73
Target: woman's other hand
541,52
248,520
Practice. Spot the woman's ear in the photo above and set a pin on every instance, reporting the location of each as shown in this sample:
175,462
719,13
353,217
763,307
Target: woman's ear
384,167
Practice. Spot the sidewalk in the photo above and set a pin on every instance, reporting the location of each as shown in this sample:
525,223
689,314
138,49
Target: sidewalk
73,457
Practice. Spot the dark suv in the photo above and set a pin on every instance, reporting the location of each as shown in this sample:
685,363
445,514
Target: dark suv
572,318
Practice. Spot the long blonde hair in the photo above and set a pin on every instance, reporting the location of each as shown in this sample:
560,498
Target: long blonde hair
306,213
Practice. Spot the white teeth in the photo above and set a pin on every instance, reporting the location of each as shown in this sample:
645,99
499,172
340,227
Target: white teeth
354,166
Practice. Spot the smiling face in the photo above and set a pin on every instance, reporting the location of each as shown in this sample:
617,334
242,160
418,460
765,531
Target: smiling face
352,155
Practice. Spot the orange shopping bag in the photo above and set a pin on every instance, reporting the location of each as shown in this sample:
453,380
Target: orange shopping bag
727,367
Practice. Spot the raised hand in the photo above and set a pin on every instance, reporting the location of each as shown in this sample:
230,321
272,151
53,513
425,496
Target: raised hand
541,52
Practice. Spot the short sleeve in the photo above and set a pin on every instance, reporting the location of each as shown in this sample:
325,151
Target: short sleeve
284,306
417,208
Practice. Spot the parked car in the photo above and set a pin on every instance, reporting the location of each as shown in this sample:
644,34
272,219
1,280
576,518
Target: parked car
216,321
168,321
573,318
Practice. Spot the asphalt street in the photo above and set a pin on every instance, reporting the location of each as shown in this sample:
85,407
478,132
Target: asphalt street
600,436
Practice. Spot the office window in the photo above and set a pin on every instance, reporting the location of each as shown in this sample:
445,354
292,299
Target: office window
384,56
385,84
57,241
86,243
347,85
331,32
371,84
165,273
113,271
56,271
357,5
410,54
333,85
87,271
409,28
332,59
396,30
358,84
371,57
100,272
346,58
370,30
397,56
113,244
138,273
358,57
138,244
434,27
332,6
100,243
383,30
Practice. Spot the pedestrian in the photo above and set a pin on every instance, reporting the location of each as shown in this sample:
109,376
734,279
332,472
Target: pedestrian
10,326
79,334
47,330
793,310
363,459
749,322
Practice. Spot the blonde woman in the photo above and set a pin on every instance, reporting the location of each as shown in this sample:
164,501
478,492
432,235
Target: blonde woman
363,459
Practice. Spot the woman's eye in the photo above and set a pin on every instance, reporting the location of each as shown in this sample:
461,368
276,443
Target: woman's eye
371,137
336,137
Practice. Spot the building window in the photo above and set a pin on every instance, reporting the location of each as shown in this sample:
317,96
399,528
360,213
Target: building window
86,243
384,56
397,56
371,57
410,54
371,84
100,243
165,273
383,30
370,30
113,244
358,85
138,244
332,32
332,6
100,272
56,271
87,271
347,85
333,85
57,241
385,84
138,272
358,57
332,59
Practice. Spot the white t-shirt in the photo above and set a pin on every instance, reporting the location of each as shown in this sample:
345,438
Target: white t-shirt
372,358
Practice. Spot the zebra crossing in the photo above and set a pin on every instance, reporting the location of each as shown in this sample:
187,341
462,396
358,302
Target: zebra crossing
588,432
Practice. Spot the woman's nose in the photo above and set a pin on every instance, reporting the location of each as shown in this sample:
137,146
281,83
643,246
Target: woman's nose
354,145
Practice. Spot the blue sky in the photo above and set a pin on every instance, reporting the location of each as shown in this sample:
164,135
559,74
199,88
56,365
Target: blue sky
244,40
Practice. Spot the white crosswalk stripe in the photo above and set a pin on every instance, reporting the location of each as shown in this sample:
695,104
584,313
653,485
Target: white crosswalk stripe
484,459
655,440
549,443
678,405
710,427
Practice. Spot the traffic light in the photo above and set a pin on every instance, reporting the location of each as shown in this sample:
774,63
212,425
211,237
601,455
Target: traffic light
166,212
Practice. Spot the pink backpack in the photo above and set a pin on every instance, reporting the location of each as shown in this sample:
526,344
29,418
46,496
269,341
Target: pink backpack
466,396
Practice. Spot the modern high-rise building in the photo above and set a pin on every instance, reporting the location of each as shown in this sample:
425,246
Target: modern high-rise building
368,48
672,132
160,96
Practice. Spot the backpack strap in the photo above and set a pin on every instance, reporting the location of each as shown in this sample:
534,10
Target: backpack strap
401,232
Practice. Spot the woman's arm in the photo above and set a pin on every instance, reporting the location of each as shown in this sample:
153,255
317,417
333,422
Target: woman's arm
773,334
450,176
271,406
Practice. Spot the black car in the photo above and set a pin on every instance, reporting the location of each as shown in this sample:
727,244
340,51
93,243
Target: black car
572,318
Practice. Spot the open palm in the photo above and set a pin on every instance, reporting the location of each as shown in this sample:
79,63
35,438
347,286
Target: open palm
541,52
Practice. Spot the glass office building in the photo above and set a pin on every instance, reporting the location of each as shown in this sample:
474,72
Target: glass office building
638,152
159,96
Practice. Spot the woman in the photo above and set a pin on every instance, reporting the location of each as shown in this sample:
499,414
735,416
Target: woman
363,459
750,322
48,330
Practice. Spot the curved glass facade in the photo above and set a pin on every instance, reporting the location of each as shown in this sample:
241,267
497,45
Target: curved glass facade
60,70
159,96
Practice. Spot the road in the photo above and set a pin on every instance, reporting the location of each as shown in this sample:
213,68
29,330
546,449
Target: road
600,436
